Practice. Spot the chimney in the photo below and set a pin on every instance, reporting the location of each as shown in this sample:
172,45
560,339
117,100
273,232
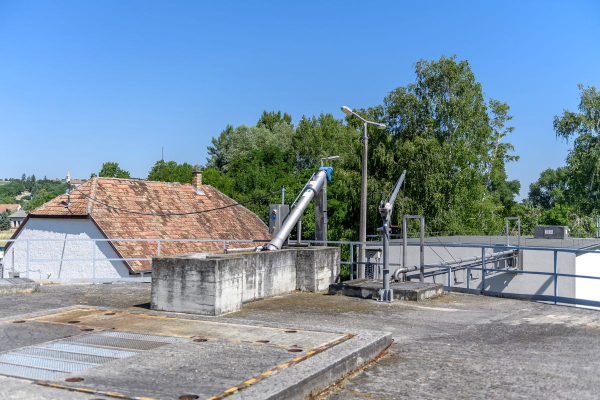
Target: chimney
197,179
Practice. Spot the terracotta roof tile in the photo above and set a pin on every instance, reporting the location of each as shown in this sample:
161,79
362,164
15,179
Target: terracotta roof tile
150,197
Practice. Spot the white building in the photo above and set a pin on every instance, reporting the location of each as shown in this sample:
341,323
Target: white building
56,240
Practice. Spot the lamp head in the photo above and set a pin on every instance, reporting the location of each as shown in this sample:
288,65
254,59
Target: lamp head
381,126
347,111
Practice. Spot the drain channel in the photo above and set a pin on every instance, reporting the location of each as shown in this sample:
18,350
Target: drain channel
53,360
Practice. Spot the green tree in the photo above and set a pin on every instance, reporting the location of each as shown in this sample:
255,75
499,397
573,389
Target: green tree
443,133
112,170
40,198
550,189
583,161
4,221
170,171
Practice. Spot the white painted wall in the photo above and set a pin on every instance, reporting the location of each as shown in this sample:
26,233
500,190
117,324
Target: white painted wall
62,228
588,289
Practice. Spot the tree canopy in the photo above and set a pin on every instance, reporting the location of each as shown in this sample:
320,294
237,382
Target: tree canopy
441,129
170,171
112,170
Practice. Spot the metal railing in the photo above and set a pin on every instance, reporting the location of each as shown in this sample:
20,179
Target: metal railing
225,245
486,272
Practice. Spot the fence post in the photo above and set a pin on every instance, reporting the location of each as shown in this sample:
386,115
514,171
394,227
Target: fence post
224,247
468,278
555,276
158,248
449,277
27,262
483,270
351,261
94,243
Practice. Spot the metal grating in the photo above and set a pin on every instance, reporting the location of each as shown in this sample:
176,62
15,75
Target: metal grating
115,342
96,351
29,372
141,336
65,355
56,359
41,362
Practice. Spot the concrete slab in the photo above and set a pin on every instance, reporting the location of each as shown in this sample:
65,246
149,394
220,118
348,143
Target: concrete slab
369,289
17,286
197,356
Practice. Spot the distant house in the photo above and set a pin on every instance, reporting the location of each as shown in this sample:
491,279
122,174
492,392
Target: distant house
9,207
112,208
76,182
17,218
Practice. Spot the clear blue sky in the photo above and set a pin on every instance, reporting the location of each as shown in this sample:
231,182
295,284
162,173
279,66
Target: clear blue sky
85,82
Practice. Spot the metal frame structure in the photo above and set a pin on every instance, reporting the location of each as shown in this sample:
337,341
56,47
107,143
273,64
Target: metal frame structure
362,234
405,244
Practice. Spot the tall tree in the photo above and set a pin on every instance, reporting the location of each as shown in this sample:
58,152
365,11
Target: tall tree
170,171
112,170
4,221
583,161
550,189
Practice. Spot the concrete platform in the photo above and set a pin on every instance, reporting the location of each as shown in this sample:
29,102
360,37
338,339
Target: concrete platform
369,289
17,286
155,355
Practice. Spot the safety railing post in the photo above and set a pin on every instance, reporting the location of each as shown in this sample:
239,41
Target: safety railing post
483,270
468,278
94,243
555,275
158,248
27,261
224,247
449,277
351,261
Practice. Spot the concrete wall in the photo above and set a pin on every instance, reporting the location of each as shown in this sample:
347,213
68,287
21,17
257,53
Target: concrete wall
509,282
60,228
213,285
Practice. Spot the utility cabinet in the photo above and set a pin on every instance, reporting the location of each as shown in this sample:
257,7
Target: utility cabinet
550,232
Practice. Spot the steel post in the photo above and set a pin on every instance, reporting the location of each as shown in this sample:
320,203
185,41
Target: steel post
386,294
363,206
482,270
404,245
422,260
351,261
299,231
555,276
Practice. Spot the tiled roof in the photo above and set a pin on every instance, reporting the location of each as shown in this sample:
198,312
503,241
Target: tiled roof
160,198
9,207
18,214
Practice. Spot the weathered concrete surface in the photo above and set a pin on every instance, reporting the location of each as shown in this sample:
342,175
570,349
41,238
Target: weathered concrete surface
200,286
17,286
217,284
369,289
317,268
458,346
256,361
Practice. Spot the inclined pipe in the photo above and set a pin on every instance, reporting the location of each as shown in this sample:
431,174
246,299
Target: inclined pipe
404,270
313,187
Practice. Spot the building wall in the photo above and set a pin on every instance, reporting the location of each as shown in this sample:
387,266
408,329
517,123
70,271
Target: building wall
60,251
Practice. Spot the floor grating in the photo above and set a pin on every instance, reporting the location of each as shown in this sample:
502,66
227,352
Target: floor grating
53,360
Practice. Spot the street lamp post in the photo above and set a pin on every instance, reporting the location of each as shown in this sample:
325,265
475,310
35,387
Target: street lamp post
362,234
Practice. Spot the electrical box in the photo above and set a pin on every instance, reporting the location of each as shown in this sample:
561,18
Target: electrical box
550,232
277,214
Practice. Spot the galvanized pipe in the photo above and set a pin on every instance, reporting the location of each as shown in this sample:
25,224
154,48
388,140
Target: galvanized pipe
472,259
313,187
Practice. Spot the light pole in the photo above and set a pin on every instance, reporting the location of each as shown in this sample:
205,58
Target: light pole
362,234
